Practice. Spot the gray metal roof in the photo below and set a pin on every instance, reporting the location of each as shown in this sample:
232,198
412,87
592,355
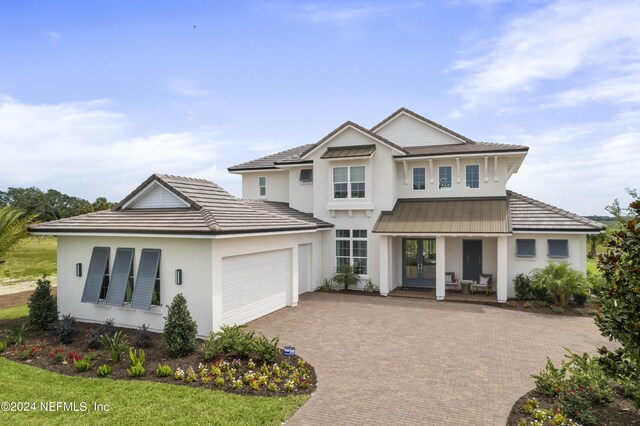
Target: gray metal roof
212,211
446,216
528,214
349,151
466,148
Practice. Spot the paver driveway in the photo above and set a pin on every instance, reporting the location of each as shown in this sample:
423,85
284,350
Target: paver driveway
409,361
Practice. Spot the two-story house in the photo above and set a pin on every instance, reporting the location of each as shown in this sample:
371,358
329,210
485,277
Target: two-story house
407,203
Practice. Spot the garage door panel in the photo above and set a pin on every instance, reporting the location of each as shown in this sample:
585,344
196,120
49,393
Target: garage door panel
254,285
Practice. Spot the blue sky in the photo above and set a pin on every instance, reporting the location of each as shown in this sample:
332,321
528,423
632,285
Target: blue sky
97,95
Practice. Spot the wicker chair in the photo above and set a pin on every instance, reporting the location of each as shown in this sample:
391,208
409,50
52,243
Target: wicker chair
450,282
483,283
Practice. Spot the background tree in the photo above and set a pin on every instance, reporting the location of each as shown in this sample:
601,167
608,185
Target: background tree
101,203
13,229
593,240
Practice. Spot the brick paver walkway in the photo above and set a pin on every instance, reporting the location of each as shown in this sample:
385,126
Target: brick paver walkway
408,362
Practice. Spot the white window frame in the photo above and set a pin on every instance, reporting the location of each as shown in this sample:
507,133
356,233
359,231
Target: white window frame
446,188
262,186
351,239
310,180
349,183
466,174
413,178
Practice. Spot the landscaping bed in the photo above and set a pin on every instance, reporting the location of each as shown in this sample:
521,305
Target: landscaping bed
284,375
590,308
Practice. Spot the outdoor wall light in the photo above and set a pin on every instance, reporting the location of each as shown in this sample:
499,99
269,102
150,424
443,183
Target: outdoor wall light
78,269
179,276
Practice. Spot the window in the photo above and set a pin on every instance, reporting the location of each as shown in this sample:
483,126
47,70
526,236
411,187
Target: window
445,176
558,248
262,185
349,182
306,175
351,248
128,295
155,296
473,176
526,248
418,178
97,284
120,274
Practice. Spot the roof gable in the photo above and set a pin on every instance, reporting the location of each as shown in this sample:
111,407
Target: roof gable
155,196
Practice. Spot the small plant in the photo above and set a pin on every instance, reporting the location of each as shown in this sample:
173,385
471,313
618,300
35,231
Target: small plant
17,335
136,356
72,357
104,370
251,364
289,386
327,285
522,285
116,345
236,384
136,370
530,405
550,380
179,374
231,340
143,339
190,375
219,382
557,309
164,370
346,276
43,307
82,365
577,403
266,349
27,351
370,287
105,329
179,337
3,346
272,387
56,355
66,327
205,380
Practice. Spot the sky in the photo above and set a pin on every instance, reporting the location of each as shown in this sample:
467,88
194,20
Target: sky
95,96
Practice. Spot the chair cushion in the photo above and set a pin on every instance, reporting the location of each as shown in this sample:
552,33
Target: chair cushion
448,278
484,280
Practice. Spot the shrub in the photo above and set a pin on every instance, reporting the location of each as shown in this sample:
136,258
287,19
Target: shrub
164,371
82,365
327,285
104,370
179,337
560,281
3,346
136,370
540,293
231,340
66,328
17,335
105,329
26,351
346,275
522,285
580,298
116,345
550,380
136,356
266,349
370,287
143,339
576,403
43,307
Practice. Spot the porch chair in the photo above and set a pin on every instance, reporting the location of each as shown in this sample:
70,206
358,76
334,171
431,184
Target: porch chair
451,283
484,282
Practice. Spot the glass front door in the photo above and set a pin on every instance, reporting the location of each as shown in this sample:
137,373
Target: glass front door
419,263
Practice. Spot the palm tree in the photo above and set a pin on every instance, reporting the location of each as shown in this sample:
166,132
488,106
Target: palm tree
13,229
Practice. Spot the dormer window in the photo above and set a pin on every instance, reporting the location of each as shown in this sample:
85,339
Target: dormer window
306,175
444,174
262,186
349,182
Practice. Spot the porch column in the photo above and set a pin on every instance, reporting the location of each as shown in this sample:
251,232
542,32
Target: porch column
501,278
384,265
440,268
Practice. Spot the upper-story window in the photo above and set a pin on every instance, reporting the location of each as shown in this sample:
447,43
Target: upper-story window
262,186
473,176
306,175
444,174
348,182
419,178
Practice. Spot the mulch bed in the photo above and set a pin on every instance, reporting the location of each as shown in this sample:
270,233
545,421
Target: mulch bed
535,306
155,355
619,412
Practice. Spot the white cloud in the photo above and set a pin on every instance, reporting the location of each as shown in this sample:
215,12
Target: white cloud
555,42
83,149
338,14
184,87
53,35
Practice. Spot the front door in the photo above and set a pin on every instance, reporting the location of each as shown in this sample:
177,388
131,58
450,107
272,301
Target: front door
471,259
419,262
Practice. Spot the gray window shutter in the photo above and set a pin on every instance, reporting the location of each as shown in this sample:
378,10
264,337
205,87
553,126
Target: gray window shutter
526,248
119,276
95,275
146,278
558,248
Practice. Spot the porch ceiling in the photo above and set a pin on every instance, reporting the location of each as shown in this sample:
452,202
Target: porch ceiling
446,216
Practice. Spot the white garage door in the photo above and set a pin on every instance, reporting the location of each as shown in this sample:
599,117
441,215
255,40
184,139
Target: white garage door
254,285
304,268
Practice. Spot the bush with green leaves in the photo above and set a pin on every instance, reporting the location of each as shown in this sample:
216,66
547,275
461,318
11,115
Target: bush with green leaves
3,346
370,287
107,328
266,349
17,335
231,340
82,365
551,379
143,339
116,345
137,358
180,330
164,370
66,328
43,307
522,285
346,276
104,370
136,370
560,281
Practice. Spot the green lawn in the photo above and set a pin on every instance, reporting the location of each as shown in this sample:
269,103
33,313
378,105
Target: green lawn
15,312
35,257
133,402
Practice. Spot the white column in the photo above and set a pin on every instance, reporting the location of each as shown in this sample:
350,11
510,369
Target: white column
292,297
384,265
216,274
440,268
501,278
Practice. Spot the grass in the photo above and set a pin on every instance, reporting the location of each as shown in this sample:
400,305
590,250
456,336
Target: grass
35,257
132,402
13,313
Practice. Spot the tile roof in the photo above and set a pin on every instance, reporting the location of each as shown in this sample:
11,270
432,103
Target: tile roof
467,148
212,211
446,216
284,209
349,151
291,155
528,214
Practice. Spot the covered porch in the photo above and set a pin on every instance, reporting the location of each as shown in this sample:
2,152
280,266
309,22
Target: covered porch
444,244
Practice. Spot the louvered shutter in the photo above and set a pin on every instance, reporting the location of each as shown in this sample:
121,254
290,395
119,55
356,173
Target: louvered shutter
146,278
96,274
119,276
